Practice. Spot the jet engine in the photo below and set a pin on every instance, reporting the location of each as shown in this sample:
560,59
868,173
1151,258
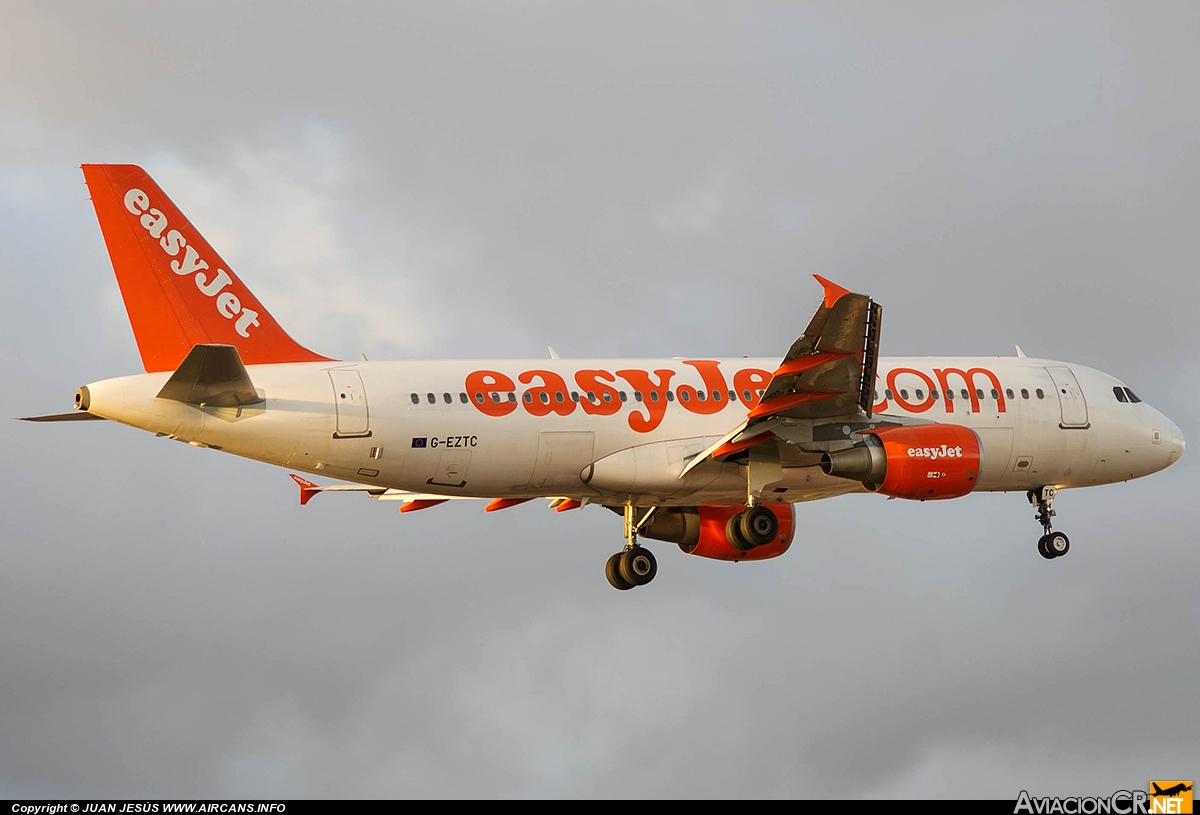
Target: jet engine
725,533
924,462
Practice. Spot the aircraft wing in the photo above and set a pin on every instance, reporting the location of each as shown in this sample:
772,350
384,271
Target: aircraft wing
829,372
308,489
422,500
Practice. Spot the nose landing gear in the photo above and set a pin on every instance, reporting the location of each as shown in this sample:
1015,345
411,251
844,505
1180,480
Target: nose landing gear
1052,544
635,565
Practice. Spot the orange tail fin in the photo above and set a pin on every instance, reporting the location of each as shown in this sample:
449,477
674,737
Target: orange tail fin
177,290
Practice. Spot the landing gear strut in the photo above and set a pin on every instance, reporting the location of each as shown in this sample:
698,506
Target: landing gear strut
1052,544
634,565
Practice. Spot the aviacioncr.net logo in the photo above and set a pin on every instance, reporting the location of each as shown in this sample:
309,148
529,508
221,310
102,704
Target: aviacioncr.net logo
1121,802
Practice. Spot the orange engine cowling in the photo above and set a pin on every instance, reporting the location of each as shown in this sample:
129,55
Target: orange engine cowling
924,462
704,531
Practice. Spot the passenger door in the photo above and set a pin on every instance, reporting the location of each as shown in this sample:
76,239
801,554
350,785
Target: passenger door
1070,398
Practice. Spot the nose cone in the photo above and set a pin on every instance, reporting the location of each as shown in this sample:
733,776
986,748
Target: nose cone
1172,441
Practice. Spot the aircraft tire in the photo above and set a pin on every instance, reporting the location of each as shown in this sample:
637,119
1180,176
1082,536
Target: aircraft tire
733,533
611,571
637,566
758,525
1043,549
1057,544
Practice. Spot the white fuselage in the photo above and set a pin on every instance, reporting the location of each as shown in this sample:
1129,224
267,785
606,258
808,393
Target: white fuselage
428,427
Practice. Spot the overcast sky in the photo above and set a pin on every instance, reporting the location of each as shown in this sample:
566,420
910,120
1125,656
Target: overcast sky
486,179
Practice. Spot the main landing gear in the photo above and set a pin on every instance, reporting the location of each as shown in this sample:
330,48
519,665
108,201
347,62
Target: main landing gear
1052,544
634,565
753,526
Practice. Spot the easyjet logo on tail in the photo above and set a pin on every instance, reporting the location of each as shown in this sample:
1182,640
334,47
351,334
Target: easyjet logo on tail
191,264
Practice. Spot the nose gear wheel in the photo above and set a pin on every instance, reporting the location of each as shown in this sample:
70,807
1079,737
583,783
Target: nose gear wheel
1052,544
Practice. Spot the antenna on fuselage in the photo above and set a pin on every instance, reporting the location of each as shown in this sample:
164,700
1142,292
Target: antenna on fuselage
1020,353
553,353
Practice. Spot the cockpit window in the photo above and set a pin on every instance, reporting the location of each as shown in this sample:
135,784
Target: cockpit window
1119,393
1132,396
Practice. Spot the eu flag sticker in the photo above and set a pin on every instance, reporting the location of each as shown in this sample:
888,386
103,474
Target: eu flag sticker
418,442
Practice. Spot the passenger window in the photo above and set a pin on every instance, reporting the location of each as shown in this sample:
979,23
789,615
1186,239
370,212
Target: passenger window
512,397
949,394
478,397
462,397
528,397
574,396
732,396
904,394
1024,393
1120,394
920,395
888,393
979,393
1040,393
700,396
964,393
716,396
653,396
637,395
1132,396
592,397
558,397
608,396
622,396
1008,392
670,396
448,399
995,393
746,395
432,399
416,399
934,394
760,393
545,397
684,396
495,397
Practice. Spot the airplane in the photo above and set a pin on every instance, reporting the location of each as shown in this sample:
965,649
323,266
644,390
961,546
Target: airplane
1170,792
710,454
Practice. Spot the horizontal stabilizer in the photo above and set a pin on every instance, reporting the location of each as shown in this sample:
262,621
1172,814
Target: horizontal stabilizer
211,375
74,416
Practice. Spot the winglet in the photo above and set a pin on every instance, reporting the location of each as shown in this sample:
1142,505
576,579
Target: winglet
833,292
307,488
